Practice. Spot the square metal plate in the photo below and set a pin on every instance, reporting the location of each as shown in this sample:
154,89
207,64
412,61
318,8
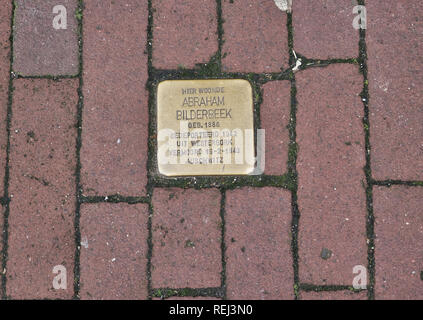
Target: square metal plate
205,127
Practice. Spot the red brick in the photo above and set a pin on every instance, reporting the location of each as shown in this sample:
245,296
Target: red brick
334,295
189,298
324,30
256,36
186,238
185,33
274,116
5,18
114,251
399,235
396,89
331,157
1,237
257,237
42,187
39,49
115,117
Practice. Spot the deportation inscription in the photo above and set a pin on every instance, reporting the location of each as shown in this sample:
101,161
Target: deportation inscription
205,127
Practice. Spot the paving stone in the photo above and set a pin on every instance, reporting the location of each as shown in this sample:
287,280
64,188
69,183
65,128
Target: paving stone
331,158
40,48
324,30
185,33
114,251
334,295
256,36
396,85
5,18
186,238
189,298
274,116
257,238
1,232
115,116
42,188
399,235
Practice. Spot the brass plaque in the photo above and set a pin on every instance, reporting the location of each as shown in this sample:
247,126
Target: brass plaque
205,127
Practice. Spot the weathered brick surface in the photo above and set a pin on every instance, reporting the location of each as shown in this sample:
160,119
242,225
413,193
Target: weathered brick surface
1,233
5,18
115,117
114,251
185,33
396,85
331,157
324,30
334,295
256,36
274,116
399,235
257,237
40,49
188,298
186,238
42,187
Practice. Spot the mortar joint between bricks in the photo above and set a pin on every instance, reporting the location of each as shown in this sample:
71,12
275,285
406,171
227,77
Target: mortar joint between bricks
5,231
78,186
370,235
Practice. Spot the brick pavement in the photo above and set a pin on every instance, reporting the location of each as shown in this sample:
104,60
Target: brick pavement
341,194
